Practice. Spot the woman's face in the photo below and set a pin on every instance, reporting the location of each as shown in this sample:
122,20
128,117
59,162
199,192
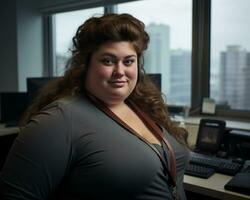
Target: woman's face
113,72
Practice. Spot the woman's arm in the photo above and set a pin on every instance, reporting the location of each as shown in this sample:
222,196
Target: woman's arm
38,159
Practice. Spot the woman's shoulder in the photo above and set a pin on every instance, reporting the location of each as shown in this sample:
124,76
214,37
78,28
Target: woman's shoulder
60,116
62,109
67,104
71,109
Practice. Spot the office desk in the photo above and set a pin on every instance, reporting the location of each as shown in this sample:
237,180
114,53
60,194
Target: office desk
212,187
8,130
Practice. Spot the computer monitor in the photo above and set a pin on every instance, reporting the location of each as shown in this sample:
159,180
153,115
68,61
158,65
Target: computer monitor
13,105
210,135
156,78
35,84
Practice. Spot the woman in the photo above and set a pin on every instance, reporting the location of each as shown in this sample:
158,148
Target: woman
101,131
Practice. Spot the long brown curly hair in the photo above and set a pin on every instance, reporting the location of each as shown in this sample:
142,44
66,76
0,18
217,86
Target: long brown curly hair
89,37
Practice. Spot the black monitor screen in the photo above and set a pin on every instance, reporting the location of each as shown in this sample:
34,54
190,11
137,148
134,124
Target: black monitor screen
209,135
156,78
35,84
13,105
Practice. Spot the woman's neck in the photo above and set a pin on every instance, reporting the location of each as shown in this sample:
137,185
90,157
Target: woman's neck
117,108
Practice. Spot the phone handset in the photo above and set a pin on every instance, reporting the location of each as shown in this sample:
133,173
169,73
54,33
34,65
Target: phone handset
246,167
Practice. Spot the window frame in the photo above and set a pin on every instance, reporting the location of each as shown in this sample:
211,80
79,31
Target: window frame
204,6
201,41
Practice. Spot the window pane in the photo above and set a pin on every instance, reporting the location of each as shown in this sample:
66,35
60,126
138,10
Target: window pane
230,54
65,28
169,24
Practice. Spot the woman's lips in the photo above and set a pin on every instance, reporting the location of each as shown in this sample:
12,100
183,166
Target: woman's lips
117,83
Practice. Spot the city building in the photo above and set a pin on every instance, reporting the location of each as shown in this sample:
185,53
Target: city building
157,56
180,78
234,77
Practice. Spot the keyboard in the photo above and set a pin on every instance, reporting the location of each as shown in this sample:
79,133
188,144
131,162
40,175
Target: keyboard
199,171
220,165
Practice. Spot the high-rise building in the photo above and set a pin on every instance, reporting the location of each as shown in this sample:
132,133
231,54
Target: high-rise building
180,79
157,56
234,77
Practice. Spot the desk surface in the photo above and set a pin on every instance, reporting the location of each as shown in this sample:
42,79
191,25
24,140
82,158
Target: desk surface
8,130
213,187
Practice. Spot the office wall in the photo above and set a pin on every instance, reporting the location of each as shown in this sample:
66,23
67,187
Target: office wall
8,46
29,41
21,52
21,37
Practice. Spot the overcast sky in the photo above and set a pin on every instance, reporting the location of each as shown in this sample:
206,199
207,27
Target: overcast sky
230,22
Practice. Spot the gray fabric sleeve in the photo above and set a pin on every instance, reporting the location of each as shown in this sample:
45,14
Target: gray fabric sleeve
38,159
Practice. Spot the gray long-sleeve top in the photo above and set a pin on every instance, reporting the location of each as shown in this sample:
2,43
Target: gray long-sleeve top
72,150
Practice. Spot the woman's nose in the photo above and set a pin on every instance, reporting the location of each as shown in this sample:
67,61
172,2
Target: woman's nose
118,70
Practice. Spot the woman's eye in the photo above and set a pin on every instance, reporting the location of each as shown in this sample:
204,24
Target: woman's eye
129,62
107,61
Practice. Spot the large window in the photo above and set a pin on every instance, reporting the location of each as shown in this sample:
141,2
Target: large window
230,54
221,46
65,26
169,24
